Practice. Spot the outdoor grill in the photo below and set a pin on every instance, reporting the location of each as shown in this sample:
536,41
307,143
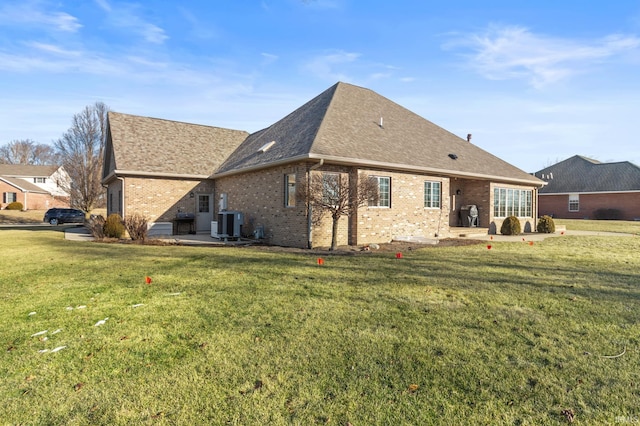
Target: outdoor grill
187,219
469,216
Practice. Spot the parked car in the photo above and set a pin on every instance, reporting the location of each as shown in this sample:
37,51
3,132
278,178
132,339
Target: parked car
59,216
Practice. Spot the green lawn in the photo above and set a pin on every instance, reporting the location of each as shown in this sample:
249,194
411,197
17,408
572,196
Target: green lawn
624,226
512,335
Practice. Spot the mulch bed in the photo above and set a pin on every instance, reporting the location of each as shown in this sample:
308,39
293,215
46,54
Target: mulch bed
392,247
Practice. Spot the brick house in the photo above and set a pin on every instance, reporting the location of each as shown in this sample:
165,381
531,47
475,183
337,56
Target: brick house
36,187
582,188
427,176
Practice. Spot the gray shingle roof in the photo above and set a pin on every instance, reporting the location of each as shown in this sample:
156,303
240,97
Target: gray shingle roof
22,185
343,125
582,174
163,147
24,170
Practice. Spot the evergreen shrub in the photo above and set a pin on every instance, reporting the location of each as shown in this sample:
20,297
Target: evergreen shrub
511,226
546,225
113,226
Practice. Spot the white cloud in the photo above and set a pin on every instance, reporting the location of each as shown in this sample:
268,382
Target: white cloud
513,52
127,17
329,66
53,49
268,58
104,5
31,14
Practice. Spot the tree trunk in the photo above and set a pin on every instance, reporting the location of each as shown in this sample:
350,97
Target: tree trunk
334,233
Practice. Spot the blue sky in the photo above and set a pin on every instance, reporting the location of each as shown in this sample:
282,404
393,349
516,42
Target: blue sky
534,82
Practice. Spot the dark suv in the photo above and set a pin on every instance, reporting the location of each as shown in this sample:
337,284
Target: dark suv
60,216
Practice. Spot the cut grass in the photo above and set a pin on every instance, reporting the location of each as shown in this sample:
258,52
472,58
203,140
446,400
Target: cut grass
624,226
456,335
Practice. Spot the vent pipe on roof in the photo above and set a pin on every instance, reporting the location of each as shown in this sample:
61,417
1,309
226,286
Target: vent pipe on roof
468,137
381,123
266,146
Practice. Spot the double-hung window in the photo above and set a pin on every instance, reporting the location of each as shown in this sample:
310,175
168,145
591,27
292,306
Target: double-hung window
384,191
9,197
432,194
574,202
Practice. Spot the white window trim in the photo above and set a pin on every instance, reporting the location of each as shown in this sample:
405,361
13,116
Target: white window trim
424,195
378,206
524,207
574,200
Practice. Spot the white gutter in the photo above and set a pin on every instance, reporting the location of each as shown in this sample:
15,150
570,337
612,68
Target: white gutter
384,165
133,173
630,191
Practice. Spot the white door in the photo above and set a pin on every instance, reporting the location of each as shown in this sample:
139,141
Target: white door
204,214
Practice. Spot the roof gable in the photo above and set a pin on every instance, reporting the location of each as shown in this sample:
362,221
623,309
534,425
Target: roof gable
166,148
581,174
353,125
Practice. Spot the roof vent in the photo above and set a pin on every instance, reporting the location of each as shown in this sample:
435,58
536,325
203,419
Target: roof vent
381,123
266,146
468,137
453,156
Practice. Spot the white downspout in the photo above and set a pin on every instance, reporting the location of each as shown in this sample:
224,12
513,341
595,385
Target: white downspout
310,207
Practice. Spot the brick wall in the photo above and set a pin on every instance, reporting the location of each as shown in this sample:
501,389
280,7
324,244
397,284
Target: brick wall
407,215
159,200
260,196
558,205
32,200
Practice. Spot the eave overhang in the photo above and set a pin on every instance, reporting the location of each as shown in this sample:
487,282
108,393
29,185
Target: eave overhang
342,161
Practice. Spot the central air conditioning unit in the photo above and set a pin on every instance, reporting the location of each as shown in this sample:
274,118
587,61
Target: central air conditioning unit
230,224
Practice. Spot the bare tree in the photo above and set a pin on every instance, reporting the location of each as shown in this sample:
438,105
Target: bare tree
27,152
81,149
338,195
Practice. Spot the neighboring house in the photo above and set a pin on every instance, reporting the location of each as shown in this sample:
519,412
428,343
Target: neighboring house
428,177
582,188
36,187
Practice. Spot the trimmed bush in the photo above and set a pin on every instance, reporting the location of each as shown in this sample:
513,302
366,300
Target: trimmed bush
113,226
546,225
511,226
136,225
16,205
